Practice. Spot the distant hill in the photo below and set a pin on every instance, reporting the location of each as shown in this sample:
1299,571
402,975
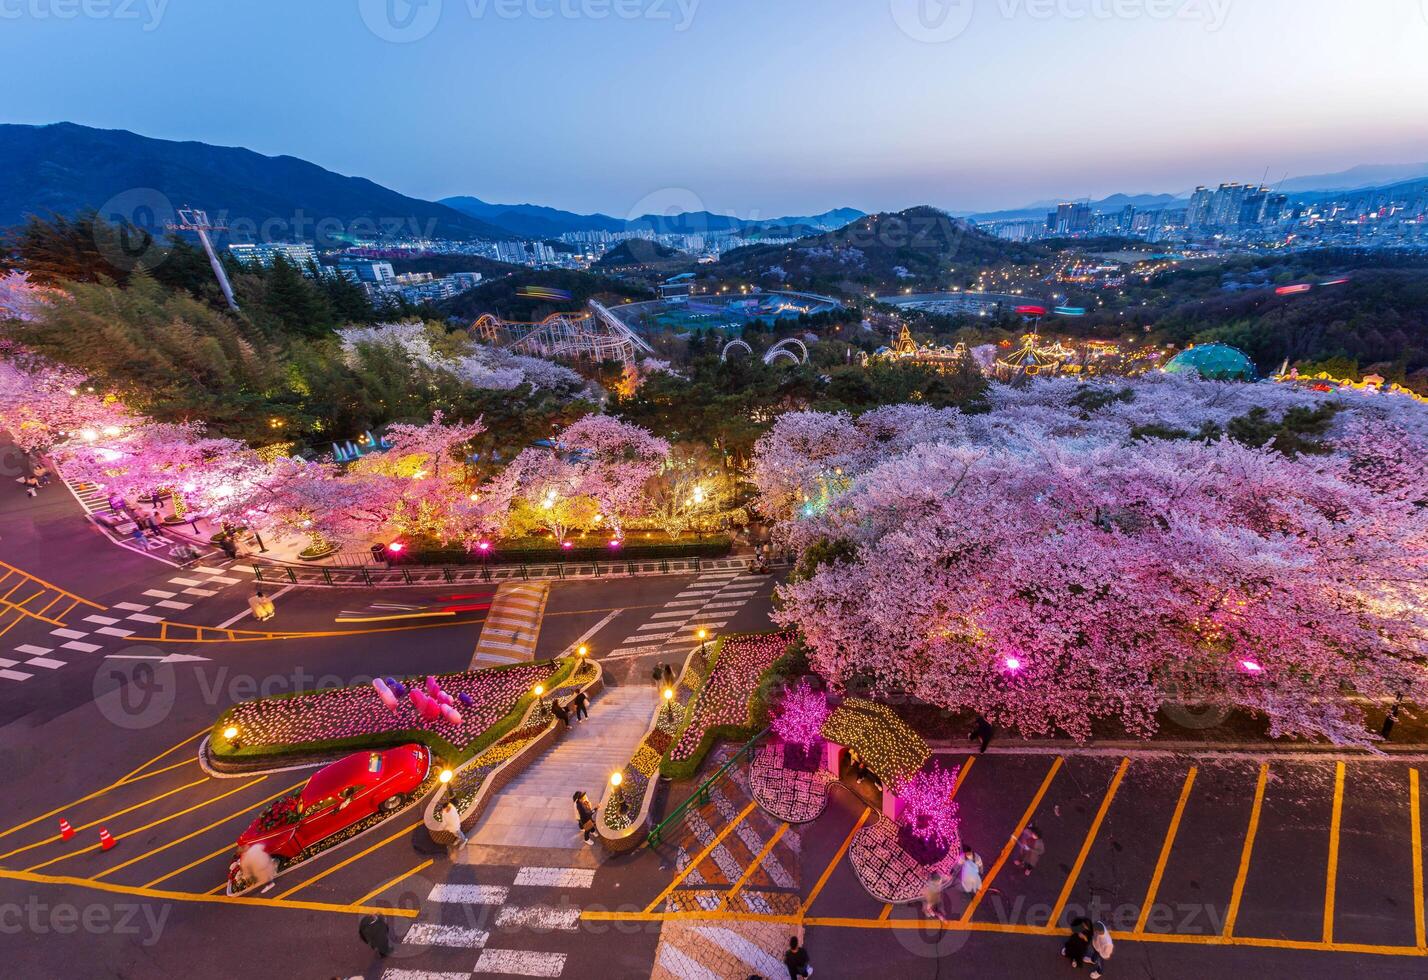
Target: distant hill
1356,178
641,252
536,221
502,296
915,248
67,168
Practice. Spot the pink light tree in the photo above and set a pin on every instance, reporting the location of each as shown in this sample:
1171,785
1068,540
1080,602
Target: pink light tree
801,715
928,811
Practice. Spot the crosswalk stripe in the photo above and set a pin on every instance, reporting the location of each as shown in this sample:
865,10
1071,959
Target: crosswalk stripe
160,593
556,877
145,618
15,675
185,581
521,963
395,974
45,662
69,634
469,894
101,620
33,650
547,917
201,592
81,647
113,631
130,606
436,934
171,604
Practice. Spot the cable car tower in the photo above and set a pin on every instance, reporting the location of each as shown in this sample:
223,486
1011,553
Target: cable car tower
196,221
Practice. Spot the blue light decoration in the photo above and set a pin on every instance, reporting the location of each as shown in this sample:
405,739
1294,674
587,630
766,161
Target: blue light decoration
366,444
1069,311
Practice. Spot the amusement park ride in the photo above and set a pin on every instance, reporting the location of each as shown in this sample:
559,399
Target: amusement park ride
596,336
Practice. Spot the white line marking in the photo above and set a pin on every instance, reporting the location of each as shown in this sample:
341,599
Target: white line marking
81,647
160,593
101,620
469,894
45,662
435,934
556,877
670,615
201,592
423,975
33,650
545,917
130,606
68,634
185,581
113,631
14,675
520,962
171,604
145,618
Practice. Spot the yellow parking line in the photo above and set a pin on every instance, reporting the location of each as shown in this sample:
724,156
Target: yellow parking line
102,820
342,864
1415,814
107,886
842,849
694,862
163,847
1154,888
139,830
395,881
1087,843
130,775
156,772
1335,823
1011,841
381,619
887,911
193,864
1248,849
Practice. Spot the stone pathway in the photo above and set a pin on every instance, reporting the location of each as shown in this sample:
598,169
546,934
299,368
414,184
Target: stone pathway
535,809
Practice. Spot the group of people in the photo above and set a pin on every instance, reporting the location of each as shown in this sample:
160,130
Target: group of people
662,675
1090,944
578,705
38,477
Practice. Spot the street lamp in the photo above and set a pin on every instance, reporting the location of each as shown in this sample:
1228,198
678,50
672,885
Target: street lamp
617,780
445,777
669,701
582,651
231,735
703,635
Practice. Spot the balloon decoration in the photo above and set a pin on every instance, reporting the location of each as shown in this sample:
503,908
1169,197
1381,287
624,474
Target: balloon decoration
465,699
450,714
384,691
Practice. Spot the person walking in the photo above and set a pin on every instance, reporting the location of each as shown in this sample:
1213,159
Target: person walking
667,677
1029,849
582,705
585,815
229,546
1078,943
451,823
981,732
657,674
560,711
969,872
261,607
1102,946
932,897
376,933
796,959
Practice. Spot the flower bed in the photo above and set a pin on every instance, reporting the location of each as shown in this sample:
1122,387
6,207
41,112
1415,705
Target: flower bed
794,795
887,870
350,718
723,704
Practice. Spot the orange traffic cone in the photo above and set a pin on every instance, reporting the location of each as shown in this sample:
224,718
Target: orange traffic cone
105,841
66,831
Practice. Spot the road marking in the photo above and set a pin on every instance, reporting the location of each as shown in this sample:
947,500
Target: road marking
1065,895
1415,814
145,618
828,871
521,963
718,839
436,934
246,610
15,675
114,631
44,662
469,894
1011,841
1332,882
33,650
130,606
69,634
200,592
106,886
185,581
395,881
342,864
81,647
395,974
171,604
93,823
101,620
753,866
556,877
160,594
546,918
1165,847
1239,889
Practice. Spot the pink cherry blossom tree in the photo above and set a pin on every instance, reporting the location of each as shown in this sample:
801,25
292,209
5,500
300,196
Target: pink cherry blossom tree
801,714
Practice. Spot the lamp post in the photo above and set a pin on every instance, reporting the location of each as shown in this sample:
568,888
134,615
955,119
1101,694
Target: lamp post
669,701
539,692
231,735
703,635
445,777
617,780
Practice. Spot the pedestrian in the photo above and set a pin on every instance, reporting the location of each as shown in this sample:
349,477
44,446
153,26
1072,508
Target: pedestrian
796,959
668,676
376,933
981,732
138,535
657,674
560,711
969,872
258,604
1102,946
1029,849
229,546
585,815
582,705
1078,943
451,823
258,866
932,897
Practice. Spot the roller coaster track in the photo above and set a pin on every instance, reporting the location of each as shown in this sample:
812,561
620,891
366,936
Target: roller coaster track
595,336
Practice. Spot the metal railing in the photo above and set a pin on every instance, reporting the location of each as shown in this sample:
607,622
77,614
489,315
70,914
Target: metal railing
700,796
369,576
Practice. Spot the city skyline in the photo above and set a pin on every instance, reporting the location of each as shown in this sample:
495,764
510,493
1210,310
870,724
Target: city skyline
642,109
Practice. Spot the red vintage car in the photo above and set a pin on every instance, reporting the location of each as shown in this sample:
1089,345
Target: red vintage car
338,796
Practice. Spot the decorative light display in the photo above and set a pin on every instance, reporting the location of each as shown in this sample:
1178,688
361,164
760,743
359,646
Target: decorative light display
724,697
884,742
801,715
929,812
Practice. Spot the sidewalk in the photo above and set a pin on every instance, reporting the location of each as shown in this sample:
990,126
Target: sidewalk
535,809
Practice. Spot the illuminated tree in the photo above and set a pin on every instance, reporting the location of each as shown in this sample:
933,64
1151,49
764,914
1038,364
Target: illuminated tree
801,714
929,812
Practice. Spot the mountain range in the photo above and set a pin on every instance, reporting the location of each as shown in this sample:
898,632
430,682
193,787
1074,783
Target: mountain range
536,221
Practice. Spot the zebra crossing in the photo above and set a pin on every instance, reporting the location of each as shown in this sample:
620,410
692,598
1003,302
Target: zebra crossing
501,924
85,637
707,603
512,625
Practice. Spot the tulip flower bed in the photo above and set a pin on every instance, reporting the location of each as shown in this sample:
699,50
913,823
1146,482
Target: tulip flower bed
489,703
723,704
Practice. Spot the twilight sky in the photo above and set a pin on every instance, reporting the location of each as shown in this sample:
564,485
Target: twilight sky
754,107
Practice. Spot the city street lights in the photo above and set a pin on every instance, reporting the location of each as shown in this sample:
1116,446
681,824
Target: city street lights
617,780
582,651
703,635
445,778
669,701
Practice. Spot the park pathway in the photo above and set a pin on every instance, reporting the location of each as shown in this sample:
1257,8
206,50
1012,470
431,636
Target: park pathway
535,809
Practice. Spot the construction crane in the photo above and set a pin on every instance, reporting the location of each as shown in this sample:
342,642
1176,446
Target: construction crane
196,221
